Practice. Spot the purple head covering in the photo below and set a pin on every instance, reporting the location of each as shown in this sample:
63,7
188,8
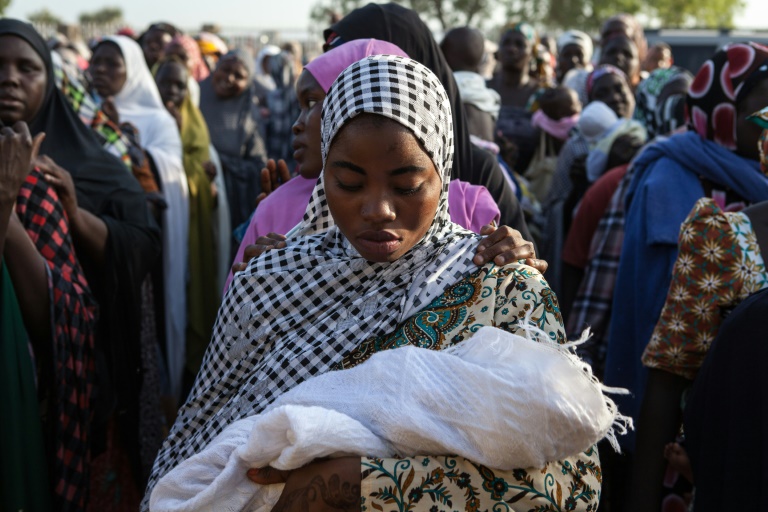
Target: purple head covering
328,66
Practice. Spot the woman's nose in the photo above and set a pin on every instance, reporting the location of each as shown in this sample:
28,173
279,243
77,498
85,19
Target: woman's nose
8,75
298,125
378,210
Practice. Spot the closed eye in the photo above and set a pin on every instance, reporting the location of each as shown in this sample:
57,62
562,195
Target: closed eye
410,191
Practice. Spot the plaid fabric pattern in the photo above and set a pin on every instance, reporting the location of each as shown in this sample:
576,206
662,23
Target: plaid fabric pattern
72,325
592,306
296,312
108,134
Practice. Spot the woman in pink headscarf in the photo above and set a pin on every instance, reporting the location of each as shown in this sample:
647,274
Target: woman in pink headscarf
470,206
187,50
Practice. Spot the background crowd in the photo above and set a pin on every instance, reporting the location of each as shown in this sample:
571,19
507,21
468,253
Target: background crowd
157,161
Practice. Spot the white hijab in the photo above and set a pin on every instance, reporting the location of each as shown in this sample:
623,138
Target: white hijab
139,103
296,312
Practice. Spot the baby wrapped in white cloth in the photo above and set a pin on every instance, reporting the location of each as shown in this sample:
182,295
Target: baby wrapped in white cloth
497,399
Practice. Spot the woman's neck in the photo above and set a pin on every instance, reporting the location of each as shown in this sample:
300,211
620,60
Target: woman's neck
514,78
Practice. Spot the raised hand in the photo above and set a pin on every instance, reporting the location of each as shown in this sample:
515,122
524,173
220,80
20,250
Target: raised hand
18,151
272,176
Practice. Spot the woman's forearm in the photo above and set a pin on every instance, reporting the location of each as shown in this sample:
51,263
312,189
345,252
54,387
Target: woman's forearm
29,275
90,233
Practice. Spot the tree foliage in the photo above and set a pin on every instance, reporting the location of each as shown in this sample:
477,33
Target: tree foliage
582,14
44,16
103,16
448,13
3,6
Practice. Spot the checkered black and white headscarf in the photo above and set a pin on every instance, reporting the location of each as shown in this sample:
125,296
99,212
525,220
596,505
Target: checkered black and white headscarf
295,312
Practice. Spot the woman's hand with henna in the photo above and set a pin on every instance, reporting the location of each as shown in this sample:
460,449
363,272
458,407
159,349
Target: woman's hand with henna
331,485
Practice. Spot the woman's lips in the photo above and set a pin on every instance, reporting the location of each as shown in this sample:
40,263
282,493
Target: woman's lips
379,242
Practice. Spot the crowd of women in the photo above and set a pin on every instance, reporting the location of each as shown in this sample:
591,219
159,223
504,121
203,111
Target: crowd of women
140,182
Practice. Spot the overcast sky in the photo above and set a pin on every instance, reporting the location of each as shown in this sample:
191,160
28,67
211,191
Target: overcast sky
261,14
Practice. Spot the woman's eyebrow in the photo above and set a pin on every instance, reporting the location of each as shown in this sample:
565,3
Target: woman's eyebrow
407,169
395,172
349,165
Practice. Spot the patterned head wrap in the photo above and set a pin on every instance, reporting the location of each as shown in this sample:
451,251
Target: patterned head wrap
601,71
196,65
761,119
661,100
719,85
427,116
524,28
296,312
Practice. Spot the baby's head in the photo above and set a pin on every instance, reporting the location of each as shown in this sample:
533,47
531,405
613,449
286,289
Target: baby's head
559,102
464,49
623,150
596,121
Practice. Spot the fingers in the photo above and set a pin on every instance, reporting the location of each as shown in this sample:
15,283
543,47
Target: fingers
261,245
283,171
238,267
495,235
267,476
253,251
57,183
540,265
487,230
276,236
36,143
266,182
503,246
21,128
44,163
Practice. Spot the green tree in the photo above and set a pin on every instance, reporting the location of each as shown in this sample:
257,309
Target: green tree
103,16
582,14
4,5
44,16
589,14
448,13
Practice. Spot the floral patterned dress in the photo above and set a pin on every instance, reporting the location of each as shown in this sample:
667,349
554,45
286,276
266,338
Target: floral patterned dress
719,264
492,296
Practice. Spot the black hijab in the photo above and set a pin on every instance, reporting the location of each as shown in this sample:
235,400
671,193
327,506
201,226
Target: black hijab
403,27
107,190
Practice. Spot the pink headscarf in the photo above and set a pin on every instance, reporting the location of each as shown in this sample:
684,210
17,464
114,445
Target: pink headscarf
196,65
328,66
558,128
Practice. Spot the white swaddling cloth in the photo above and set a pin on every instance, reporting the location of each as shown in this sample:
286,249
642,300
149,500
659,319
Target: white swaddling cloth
497,399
